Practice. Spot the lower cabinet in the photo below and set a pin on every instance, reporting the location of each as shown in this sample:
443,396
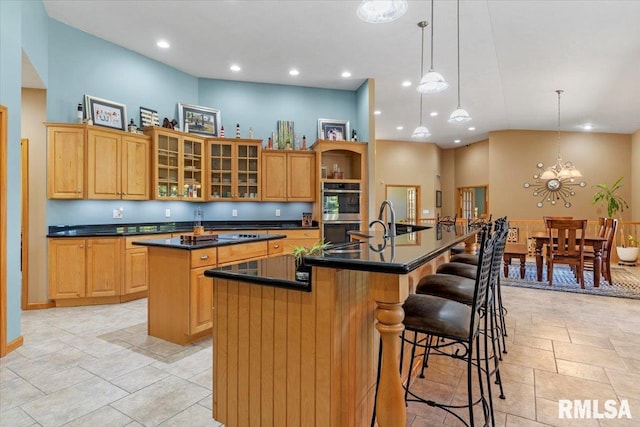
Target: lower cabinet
299,238
84,268
200,301
136,277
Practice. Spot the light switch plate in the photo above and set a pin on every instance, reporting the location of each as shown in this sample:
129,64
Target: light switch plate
234,212
117,213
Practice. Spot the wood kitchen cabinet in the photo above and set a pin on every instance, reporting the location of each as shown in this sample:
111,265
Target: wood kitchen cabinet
118,165
178,165
288,176
85,270
233,169
65,161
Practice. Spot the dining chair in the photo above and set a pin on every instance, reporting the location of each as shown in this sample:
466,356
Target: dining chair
609,232
546,219
568,248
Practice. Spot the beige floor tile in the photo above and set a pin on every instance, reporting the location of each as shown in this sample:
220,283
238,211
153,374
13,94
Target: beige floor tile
516,373
195,415
626,384
520,399
530,357
207,402
140,378
116,364
7,374
622,420
73,402
16,417
515,421
169,396
204,378
191,365
17,392
595,330
633,365
556,333
103,417
50,383
594,341
51,363
547,411
588,354
624,348
582,370
552,386
533,342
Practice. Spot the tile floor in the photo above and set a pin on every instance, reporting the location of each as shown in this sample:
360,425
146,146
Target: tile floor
96,366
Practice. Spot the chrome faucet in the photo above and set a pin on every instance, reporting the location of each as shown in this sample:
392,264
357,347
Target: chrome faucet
391,230
379,221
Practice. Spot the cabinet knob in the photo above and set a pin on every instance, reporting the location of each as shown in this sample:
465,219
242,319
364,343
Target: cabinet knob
82,246
276,246
88,246
205,256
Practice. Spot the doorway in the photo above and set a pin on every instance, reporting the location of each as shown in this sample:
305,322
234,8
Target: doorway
405,200
473,202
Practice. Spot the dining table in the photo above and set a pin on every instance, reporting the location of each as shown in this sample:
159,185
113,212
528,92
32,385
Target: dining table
590,239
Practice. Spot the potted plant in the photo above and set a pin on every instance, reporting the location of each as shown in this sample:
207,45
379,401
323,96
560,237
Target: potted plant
609,197
299,252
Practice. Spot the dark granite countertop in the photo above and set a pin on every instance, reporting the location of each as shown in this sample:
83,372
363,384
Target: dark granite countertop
135,229
222,240
372,252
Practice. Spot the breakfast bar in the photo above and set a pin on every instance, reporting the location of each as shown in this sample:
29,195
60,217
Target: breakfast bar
305,353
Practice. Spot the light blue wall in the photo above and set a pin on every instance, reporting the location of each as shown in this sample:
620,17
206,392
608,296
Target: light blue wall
10,97
362,95
82,64
35,25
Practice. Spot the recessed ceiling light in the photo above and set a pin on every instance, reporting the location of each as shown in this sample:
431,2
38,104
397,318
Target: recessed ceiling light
377,112
472,128
587,126
433,113
457,141
235,67
163,44
346,74
406,83
294,72
400,127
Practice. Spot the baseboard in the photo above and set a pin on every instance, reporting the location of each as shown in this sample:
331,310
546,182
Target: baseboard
40,305
134,296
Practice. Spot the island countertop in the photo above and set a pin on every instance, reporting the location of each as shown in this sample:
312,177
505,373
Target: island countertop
221,240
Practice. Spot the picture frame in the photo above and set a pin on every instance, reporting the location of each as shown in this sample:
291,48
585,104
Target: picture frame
438,199
201,120
106,113
333,130
148,117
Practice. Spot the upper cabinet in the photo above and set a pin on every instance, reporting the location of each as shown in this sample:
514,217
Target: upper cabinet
96,163
65,161
178,161
288,176
233,169
340,160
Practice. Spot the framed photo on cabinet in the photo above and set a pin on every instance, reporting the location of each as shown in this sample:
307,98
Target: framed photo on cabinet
199,120
106,113
148,117
333,130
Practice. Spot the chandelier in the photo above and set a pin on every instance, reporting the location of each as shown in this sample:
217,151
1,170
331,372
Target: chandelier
557,182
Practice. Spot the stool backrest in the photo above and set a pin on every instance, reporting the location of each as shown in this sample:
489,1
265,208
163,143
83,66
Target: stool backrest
485,261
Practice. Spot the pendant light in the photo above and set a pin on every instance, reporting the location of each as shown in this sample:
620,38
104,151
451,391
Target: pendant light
421,131
432,82
381,11
460,115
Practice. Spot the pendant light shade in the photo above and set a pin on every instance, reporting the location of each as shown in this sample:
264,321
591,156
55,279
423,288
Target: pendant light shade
421,132
433,81
460,115
381,11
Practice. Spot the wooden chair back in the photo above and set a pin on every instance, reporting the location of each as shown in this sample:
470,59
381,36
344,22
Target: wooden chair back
546,219
568,248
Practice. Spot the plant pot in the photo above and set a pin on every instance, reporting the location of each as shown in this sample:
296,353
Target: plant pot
628,254
303,271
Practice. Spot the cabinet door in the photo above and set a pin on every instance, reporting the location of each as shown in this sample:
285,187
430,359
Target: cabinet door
166,174
103,267
65,162
220,158
200,301
135,162
192,168
274,175
67,268
247,171
301,180
136,275
103,164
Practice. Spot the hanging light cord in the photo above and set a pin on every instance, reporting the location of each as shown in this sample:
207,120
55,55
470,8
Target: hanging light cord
458,31
431,36
559,92
422,24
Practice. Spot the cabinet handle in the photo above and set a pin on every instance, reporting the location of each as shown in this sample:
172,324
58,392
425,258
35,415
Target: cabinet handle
88,246
205,256
276,246
82,246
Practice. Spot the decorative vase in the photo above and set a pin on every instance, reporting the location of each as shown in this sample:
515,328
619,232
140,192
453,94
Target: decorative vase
303,271
628,254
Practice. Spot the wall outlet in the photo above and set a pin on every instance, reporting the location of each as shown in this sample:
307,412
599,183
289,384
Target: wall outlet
234,212
277,212
425,212
117,213
167,213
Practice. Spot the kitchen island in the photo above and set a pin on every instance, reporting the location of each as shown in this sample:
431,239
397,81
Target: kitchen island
179,296
305,353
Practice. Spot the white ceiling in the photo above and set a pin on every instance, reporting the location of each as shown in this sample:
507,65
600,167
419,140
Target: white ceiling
514,55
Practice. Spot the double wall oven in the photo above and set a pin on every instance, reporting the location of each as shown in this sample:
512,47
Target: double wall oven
341,210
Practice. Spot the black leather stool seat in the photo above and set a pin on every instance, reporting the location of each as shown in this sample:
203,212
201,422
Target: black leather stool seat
457,249
456,288
437,316
465,259
458,269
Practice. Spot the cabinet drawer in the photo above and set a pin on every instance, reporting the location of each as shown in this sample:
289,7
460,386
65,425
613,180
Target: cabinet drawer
234,253
276,247
300,234
204,258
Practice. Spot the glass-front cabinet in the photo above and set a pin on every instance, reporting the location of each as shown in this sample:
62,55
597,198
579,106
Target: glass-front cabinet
234,169
178,165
